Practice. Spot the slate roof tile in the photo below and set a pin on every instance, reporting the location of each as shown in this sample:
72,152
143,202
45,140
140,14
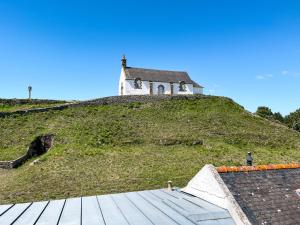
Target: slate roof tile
266,193
159,75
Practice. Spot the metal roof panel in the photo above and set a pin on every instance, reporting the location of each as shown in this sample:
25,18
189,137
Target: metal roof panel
91,213
158,207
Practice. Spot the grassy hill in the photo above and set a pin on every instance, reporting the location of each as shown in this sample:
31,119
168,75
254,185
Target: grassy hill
114,148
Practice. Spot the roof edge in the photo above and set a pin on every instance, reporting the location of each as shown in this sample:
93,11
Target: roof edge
226,169
178,71
208,185
195,84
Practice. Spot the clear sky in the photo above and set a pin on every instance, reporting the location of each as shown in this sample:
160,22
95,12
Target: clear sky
246,50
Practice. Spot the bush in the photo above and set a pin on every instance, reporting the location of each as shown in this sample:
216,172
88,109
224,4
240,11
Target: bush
264,111
279,117
267,113
296,126
293,117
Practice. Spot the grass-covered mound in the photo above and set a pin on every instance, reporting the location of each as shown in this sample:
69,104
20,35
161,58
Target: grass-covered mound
134,146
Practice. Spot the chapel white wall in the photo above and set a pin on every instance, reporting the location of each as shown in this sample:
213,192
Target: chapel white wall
166,85
198,90
188,91
129,88
122,81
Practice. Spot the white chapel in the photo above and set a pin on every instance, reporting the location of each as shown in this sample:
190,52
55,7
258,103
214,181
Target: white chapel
140,81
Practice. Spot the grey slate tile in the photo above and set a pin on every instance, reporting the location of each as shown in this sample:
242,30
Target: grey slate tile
267,197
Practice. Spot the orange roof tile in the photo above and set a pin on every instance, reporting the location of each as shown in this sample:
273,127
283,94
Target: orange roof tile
225,169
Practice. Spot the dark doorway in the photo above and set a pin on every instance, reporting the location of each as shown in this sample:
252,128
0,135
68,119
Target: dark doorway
151,88
161,90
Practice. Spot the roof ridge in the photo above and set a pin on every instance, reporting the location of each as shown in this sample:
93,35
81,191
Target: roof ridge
178,71
225,169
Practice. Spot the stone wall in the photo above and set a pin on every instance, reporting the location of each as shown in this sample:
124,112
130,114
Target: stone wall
13,163
26,101
106,101
139,98
21,112
38,146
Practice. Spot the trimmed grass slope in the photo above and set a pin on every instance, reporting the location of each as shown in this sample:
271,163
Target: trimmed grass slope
135,146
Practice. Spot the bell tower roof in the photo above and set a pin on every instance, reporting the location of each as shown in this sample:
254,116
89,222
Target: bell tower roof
124,61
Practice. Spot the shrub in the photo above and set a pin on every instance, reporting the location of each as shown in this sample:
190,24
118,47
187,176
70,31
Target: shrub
279,117
264,111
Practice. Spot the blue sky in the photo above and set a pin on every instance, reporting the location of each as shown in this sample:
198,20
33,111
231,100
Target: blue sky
246,50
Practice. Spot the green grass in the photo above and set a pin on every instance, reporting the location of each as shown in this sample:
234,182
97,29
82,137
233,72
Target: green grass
116,148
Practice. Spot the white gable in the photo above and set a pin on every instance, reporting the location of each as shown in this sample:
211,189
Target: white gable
208,185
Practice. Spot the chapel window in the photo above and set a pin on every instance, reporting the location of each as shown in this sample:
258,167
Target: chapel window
138,83
182,86
160,90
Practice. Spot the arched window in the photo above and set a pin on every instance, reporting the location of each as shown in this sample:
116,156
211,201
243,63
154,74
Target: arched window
138,83
160,90
182,86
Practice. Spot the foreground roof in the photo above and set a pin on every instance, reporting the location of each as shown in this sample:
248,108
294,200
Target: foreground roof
263,194
159,75
159,207
267,194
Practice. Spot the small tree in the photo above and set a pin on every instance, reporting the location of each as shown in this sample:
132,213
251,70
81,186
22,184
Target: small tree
296,126
279,117
293,120
29,92
264,111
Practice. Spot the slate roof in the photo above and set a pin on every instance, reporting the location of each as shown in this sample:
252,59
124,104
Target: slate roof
159,75
266,193
158,207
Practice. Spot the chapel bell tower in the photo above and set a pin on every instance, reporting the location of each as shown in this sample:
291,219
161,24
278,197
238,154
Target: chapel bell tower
124,61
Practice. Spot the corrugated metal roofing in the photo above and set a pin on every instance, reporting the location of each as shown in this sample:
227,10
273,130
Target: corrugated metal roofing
158,207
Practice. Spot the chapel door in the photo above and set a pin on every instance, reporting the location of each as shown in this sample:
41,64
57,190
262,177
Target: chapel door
151,88
172,88
122,89
161,90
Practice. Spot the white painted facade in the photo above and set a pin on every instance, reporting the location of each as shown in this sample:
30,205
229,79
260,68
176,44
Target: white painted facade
198,90
127,87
